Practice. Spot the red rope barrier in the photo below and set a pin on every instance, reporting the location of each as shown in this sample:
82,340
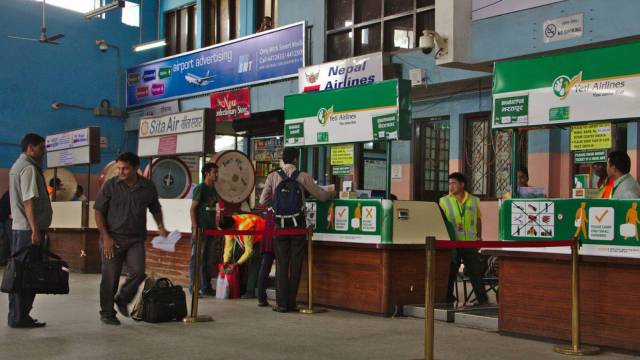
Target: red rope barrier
444,244
275,232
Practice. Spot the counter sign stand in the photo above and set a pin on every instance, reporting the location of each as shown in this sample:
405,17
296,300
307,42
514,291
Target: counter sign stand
186,133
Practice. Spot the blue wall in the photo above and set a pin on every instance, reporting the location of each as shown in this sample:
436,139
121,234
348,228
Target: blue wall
74,72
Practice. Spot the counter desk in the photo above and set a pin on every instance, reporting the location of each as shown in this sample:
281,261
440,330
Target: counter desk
535,284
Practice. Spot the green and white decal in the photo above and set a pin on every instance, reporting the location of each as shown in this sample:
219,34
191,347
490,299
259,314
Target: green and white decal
581,86
365,113
359,221
605,227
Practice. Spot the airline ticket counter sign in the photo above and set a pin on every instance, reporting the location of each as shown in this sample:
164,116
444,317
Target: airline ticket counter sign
376,112
75,147
355,71
605,227
188,132
574,87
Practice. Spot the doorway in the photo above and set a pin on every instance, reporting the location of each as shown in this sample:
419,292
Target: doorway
431,154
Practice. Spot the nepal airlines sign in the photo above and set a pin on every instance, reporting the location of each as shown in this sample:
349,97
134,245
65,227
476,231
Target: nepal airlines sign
361,70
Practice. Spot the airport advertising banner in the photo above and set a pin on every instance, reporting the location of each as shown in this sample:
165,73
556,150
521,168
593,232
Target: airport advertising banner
376,112
605,227
360,70
266,56
582,86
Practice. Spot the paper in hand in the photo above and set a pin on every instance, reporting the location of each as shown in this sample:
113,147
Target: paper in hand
166,243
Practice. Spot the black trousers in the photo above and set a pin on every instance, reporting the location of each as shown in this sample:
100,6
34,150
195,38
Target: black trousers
20,303
289,251
471,260
263,276
133,254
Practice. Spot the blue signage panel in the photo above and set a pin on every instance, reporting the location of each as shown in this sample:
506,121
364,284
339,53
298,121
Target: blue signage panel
266,56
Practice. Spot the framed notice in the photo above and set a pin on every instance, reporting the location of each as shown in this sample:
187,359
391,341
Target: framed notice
75,147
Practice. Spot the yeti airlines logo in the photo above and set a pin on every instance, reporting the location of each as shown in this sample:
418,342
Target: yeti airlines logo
324,115
562,85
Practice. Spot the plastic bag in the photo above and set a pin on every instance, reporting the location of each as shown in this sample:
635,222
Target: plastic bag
222,287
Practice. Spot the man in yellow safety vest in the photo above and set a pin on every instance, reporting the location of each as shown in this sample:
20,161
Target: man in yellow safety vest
462,212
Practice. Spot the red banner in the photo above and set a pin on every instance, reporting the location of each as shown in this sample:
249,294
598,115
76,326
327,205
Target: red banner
232,104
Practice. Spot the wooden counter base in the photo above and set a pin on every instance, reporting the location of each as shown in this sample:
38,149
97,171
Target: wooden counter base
79,248
372,278
535,297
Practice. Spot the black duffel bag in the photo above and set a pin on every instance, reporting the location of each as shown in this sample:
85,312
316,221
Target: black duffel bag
42,275
164,302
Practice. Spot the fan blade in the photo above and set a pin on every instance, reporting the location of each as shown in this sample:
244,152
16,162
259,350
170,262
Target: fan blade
54,37
22,38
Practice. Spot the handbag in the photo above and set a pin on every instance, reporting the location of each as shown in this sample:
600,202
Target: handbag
164,302
49,275
229,281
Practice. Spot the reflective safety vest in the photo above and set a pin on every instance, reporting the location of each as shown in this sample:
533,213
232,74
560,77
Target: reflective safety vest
462,217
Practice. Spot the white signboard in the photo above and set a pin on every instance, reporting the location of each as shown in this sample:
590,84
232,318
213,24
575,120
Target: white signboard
166,108
361,70
563,28
482,9
181,133
69,148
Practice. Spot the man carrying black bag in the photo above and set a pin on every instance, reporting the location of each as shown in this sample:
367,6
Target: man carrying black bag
32,213
121,218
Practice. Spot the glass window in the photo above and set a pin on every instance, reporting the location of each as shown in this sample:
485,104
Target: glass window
368,10
367,39
131,14
425,20
423,3
397,6
339,45
180,30
398,34
341,14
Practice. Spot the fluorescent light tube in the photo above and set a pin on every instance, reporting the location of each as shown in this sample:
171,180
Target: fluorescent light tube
104,9
149,45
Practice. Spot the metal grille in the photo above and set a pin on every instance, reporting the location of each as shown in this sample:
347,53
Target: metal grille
488,157
436,156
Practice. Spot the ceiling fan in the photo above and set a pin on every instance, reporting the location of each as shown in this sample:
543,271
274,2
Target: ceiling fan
43,34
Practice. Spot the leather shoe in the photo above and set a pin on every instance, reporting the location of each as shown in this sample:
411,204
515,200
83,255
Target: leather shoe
122,309
30,325
280,309
247,296
263,303
110,320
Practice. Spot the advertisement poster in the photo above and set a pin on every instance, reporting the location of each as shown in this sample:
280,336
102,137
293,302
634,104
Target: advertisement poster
568,88
361,70
232,104
266,56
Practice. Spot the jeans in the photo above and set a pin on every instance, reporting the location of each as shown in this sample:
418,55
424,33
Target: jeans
206,262
20,303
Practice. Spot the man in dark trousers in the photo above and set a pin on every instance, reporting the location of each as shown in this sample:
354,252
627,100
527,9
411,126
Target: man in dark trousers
31,211
121,217
289,250
5,228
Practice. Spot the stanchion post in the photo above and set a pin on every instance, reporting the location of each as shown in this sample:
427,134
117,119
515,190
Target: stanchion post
575,348
430,294
310,309
196,285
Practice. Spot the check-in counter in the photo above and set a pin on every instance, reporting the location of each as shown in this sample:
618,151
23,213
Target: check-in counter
369,255
535,284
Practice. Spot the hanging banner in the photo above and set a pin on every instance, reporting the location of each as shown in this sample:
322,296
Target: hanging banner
342,155
377,112
361,70
582,86
591,136
232,104
266,56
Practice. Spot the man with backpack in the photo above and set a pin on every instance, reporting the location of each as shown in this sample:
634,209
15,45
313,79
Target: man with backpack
284,194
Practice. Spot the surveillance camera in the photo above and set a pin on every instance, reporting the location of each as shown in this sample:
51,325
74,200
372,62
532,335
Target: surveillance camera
102,45
56,105
426,42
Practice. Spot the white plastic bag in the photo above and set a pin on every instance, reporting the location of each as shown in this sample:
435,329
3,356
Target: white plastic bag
627,230
222,287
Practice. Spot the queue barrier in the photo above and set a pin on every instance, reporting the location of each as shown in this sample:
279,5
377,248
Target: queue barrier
431,244
310,309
